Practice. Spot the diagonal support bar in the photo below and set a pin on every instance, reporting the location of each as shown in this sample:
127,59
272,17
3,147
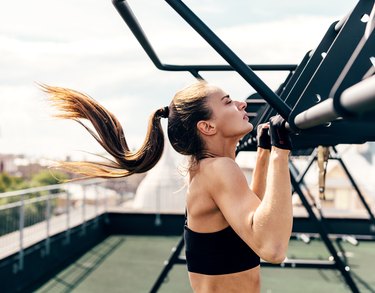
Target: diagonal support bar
341,266
220,47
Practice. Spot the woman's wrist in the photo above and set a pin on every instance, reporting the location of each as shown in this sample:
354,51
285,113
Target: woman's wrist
279,151
263,150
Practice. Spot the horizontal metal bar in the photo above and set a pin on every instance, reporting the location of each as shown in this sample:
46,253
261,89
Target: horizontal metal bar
321,113
128,16
213,67
357,99
48,187
236,63
303,263
29,201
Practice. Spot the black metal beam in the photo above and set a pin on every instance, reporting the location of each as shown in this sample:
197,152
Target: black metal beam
173,259
340,265
219,46
355,186
130,19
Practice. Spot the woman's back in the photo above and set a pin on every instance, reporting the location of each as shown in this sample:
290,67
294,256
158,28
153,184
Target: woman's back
203,213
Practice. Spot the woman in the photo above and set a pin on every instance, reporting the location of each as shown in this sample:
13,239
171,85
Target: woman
229,226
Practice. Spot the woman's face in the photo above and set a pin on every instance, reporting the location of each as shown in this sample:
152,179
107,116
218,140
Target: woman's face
229,116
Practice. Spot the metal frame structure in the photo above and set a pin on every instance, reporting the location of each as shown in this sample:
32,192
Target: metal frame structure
294,103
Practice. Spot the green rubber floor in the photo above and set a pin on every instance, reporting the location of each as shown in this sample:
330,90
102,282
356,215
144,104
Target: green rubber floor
133,263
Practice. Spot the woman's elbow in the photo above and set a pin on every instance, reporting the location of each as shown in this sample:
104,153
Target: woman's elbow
275,254
276,258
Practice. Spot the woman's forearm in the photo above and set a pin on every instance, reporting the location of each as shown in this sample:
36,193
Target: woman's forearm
272,220
259,180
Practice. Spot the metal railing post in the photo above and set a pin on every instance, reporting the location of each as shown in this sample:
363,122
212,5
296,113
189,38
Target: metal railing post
48,224
67,232
21,226
106,208
84,209
96,204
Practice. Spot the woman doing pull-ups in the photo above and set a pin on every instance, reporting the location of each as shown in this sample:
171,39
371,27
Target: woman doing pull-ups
229,225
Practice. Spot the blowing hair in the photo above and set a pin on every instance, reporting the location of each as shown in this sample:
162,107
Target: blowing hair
187,108
109,134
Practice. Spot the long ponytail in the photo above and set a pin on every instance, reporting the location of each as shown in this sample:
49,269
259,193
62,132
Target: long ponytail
109,134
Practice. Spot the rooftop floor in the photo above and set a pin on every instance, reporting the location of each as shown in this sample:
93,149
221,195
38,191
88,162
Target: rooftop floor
133,263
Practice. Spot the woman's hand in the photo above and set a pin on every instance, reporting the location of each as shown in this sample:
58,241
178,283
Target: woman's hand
263,137
279,134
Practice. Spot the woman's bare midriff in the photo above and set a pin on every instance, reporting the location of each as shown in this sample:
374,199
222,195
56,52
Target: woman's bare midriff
246,281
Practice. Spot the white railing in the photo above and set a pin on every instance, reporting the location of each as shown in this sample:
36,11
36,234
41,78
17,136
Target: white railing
35,214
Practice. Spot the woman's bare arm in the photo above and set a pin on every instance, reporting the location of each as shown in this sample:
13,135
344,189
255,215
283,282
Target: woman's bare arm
275,211
259,180
264,225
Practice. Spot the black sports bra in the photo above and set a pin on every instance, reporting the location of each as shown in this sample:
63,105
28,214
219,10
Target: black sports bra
216,253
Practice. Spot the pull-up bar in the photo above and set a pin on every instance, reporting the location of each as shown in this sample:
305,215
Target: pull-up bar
234,61
128,16
357,99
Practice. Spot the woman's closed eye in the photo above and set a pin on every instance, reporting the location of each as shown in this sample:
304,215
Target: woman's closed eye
227,100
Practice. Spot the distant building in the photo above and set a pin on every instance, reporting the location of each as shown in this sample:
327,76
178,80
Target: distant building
8,163
164,187
20,165
340,195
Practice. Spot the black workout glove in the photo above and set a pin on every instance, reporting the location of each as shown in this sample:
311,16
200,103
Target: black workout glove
279,135
263,138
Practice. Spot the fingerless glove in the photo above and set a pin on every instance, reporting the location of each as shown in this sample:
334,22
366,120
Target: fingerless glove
278,133
263,138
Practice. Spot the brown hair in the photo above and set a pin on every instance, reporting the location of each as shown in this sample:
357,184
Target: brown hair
187,108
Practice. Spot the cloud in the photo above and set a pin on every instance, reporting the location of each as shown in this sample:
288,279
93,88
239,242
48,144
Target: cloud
86,45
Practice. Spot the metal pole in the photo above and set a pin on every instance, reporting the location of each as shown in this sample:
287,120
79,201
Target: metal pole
321,113
359,98
21,226
96,204
174,259
344,269
312,158
48,223
128,16
361,197
106,219
67,232
216,43
84,209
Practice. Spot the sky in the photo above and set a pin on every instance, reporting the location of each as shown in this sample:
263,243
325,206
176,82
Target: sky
86,46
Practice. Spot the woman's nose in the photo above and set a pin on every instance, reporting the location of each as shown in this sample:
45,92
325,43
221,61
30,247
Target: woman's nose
241,105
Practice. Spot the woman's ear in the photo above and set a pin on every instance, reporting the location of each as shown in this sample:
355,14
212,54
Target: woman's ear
206,127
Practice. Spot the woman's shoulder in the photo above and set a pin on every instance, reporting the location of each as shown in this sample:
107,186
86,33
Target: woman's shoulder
222,176
221,165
